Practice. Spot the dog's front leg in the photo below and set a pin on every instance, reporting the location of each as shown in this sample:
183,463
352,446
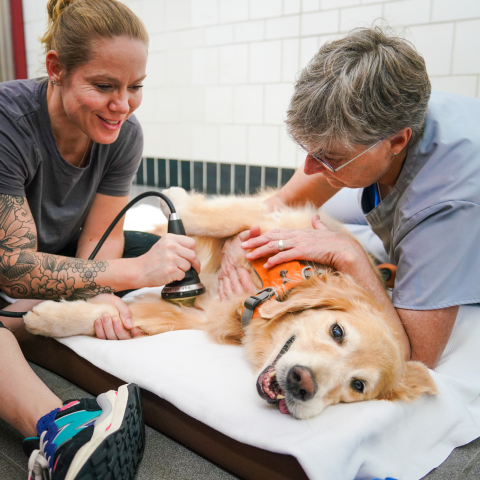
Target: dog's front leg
66,319
220,217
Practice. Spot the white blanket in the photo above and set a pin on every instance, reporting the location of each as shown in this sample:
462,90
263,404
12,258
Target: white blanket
214,384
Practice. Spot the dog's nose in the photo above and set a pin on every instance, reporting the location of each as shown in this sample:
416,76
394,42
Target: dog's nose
300,383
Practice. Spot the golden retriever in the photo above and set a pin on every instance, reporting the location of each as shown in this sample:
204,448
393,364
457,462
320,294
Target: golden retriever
326,341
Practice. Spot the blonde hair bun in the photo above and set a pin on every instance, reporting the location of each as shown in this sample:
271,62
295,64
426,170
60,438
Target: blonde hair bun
74,24
55,9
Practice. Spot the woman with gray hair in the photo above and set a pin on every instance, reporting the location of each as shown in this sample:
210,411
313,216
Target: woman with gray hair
363,112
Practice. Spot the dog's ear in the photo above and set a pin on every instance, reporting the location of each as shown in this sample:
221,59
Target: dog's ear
332,291
296,301
415,381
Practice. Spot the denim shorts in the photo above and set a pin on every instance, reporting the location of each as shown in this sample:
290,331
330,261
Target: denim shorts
2,325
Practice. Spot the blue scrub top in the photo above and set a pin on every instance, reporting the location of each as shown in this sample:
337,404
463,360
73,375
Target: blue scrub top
430,222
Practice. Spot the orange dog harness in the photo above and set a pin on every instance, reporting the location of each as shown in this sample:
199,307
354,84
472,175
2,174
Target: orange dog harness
275,281
283,277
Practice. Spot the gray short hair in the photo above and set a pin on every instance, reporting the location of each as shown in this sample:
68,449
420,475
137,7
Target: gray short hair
359,89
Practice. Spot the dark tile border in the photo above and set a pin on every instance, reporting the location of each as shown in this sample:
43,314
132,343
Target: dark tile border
211,178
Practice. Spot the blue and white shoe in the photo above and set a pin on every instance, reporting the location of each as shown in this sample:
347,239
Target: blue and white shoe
91,439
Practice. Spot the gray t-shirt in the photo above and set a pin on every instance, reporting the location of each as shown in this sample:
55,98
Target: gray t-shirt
59,194
430,221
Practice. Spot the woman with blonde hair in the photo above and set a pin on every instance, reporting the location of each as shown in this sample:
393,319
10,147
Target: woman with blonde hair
69,148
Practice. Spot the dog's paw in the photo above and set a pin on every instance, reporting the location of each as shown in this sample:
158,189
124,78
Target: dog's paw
178,196
65,319
36,324
52,319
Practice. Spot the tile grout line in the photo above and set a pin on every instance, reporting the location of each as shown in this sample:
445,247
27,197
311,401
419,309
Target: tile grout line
12,463
266,39
452,58
67,384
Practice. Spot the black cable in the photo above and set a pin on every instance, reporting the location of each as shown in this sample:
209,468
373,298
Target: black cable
122,213
5,313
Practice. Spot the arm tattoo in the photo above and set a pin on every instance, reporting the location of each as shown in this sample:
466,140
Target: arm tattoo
56,278
27,273
16,238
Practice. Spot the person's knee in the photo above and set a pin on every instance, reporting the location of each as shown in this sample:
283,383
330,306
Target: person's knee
7,338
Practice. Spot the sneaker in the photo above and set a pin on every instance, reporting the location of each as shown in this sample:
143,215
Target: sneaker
91,439
30,444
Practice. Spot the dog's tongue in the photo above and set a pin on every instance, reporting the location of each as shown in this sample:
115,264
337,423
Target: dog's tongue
282,404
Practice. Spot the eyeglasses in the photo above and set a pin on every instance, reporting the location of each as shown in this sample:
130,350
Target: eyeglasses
333,169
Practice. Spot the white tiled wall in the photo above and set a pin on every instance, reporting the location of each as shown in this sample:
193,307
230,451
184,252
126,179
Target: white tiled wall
221,72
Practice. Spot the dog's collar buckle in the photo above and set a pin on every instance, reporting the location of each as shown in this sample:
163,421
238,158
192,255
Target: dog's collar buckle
261,296
251,303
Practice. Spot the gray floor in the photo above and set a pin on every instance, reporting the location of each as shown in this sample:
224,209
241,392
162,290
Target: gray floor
165,459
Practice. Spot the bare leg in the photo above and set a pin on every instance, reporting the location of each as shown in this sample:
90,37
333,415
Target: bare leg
24,398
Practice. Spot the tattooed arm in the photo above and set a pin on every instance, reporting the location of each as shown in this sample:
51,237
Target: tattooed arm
27,273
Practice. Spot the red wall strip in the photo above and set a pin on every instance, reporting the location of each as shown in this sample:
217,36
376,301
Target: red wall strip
18,39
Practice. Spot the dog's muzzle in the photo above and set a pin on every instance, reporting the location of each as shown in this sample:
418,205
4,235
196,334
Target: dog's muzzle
267,385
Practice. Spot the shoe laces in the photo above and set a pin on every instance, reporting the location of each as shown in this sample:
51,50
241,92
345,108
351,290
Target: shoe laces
38,466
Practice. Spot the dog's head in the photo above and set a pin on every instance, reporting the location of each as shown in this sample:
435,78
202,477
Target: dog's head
328,342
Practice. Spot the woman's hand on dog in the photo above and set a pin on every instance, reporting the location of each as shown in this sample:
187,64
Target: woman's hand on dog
233,277
118,327
167,261
320,245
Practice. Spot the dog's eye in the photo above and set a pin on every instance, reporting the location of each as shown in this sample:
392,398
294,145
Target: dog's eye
358,386
337,332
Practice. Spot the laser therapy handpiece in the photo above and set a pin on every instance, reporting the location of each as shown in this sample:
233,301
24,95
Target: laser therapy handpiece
190,286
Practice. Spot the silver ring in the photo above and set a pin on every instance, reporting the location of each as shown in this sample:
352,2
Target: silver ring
280,245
